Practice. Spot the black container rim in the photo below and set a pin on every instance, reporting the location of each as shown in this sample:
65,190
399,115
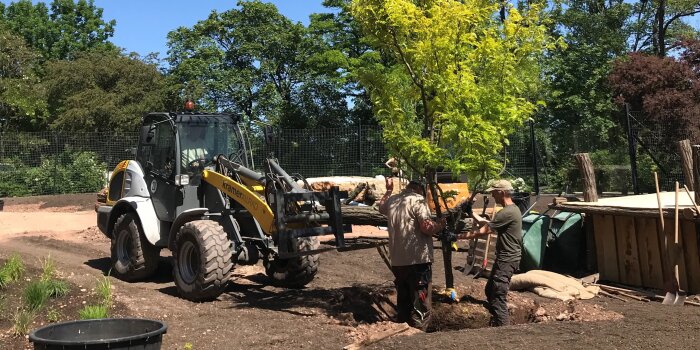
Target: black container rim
162,330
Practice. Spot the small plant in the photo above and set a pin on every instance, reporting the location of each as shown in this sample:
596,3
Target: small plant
4,279
57,288
188,346
21,322
13,268
36,294
53,315
104,290
90,312
48,268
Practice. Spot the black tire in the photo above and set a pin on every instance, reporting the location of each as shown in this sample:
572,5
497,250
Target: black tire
295,272
133,257
202,260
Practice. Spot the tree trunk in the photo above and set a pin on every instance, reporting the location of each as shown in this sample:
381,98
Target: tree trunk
585,165
356,215
686,153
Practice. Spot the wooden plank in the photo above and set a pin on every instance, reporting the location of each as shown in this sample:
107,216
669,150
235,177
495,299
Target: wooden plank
690,250
681,263
649,252
606,248
627,252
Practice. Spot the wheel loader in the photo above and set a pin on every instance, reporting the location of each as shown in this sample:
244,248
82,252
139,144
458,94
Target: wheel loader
192,189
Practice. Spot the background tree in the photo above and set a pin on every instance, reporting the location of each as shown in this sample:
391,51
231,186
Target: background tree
103,92
22,103
343,48
658,24
67,28
255,61
580,115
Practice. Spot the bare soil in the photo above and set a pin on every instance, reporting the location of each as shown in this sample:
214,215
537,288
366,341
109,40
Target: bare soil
351,300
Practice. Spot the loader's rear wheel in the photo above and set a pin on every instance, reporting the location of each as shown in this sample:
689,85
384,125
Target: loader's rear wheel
202,260
295,272
133,257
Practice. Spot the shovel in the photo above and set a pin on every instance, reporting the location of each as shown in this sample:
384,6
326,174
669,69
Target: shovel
674,296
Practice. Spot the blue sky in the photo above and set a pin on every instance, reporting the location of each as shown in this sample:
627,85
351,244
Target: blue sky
142,25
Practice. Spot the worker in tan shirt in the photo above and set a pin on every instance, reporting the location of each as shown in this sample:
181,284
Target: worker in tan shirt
411,250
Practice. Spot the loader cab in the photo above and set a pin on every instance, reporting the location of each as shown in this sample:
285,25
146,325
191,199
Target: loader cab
175,148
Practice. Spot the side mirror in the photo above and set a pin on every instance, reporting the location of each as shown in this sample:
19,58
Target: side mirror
148,135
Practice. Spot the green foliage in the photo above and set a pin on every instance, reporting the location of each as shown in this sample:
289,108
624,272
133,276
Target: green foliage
104,290
68,172
580,113
103,91
90,312
22,101
62,30
53,315
13,269
255,61
36,294
21,322
57,288
457,80
48,268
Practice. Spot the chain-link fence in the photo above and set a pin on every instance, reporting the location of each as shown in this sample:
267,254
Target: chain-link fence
55,162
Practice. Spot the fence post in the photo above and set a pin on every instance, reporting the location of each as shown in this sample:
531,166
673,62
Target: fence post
590,194
535,170
359,147
55,163
632,149
696,172
687,162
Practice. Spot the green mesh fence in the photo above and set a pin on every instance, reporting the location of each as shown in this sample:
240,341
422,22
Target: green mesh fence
54,162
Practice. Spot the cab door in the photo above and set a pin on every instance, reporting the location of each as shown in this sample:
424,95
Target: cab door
157,156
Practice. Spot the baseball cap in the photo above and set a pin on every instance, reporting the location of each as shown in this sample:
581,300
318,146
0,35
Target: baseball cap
501,185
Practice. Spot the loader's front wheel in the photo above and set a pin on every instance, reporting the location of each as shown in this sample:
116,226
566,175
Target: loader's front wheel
133,257
202,260
298,271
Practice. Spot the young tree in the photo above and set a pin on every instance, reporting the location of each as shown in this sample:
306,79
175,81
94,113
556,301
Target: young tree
456,84
458,80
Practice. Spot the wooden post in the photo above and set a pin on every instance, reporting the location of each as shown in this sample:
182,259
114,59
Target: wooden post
585,165
686,154
696,172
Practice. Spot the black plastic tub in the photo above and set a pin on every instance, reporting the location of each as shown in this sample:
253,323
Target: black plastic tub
106,333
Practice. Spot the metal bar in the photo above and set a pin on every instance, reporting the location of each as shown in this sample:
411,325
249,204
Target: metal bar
306,232
283,174
632,150
307,217
535,171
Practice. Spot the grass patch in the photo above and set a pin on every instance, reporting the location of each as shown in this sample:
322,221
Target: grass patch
104,290
22,321
57,288
36,294
90,312
48,268
13,269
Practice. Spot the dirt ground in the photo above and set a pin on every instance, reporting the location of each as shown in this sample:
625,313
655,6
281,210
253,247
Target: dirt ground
350,300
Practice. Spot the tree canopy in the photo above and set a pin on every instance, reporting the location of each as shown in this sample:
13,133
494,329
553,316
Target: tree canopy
459,80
